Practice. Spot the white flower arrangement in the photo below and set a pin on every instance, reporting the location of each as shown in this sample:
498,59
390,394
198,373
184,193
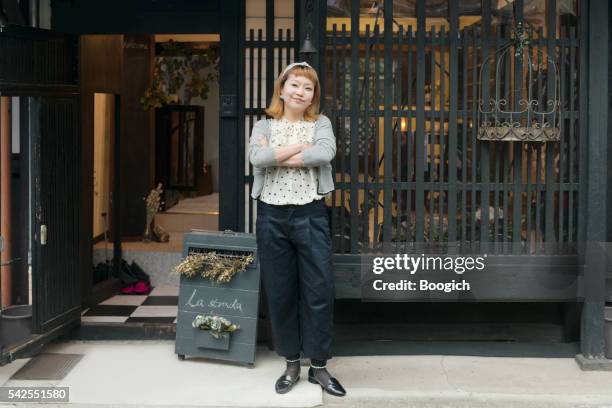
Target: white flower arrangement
217,325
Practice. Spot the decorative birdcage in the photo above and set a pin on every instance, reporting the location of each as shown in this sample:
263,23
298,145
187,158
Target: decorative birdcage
525,106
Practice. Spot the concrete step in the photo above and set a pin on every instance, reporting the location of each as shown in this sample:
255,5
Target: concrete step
184,222
440,380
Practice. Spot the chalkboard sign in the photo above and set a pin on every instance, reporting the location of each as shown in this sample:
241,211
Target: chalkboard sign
237,300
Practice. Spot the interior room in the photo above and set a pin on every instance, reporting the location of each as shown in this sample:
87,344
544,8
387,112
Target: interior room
153,122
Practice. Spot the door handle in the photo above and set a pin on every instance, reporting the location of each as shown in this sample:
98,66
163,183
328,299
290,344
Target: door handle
43,235
9,262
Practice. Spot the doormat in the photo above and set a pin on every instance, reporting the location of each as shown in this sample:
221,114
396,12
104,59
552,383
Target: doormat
48,366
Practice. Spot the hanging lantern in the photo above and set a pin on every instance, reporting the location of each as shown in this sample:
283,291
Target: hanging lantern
522,103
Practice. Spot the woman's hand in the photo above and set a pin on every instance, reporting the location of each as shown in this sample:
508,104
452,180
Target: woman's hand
290,155
294,161
297,159
263,142
283,153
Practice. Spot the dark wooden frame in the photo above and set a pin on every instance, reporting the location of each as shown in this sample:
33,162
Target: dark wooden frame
56,284
596,212
163,165
42,64
97,78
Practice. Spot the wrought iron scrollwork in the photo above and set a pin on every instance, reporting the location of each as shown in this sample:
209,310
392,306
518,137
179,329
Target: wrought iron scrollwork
517,113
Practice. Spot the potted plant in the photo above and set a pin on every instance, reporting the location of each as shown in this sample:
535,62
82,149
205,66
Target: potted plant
179,75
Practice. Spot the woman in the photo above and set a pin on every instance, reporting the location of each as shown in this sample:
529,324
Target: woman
291,155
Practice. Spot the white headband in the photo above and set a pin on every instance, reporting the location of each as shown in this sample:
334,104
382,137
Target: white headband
295,64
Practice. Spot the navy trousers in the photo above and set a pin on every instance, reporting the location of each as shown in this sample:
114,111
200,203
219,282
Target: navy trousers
295,254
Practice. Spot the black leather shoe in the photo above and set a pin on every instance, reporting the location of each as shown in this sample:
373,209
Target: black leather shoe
285,383
332,387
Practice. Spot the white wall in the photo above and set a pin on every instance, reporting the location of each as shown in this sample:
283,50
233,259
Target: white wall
211,129
103,128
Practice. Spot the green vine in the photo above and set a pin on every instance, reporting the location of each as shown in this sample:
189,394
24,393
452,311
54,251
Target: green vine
179,65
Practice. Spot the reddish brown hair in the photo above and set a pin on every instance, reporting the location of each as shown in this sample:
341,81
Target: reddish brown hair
277,107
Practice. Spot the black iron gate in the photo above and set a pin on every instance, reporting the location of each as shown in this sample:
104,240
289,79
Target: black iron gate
266,52
402,92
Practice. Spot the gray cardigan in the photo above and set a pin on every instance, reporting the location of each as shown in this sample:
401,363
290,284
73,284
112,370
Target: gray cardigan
319,156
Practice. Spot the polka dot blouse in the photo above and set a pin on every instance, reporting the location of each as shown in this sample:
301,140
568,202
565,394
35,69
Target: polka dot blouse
290,185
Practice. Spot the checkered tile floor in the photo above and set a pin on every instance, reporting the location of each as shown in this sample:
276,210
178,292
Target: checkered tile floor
160,306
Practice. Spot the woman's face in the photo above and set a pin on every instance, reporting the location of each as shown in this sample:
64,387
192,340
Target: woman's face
297,93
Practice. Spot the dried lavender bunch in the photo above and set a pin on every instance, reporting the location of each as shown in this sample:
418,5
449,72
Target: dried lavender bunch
213,266
154,200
